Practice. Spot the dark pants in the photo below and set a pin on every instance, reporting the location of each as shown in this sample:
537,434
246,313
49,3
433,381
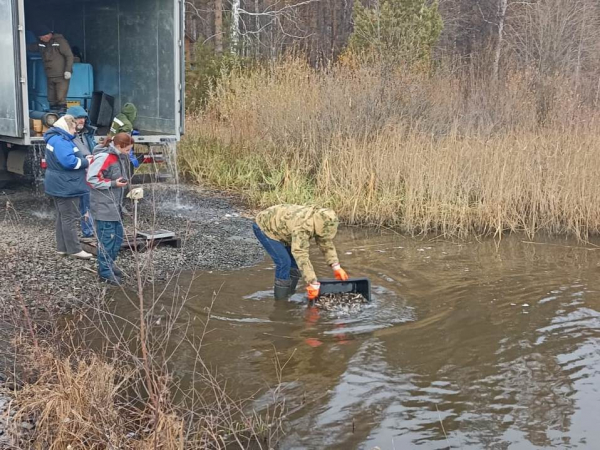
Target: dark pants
279,253
57,92
110,238
67,221
87,224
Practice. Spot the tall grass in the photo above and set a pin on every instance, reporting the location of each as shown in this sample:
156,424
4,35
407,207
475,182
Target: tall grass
422,153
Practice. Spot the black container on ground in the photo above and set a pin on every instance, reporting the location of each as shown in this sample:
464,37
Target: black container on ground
354,285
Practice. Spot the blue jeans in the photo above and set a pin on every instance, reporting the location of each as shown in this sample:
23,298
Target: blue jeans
279,253
110,238
87,224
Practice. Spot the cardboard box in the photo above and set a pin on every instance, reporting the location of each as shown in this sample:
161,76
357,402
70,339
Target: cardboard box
36,125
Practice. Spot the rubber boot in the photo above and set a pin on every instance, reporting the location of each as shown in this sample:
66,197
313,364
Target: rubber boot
295,275
118,272
281,289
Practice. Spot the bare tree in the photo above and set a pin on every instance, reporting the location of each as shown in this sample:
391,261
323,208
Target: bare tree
235,25
558,36
267,26
502,7
219,27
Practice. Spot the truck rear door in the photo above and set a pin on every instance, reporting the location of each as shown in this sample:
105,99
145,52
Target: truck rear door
180,13
13,86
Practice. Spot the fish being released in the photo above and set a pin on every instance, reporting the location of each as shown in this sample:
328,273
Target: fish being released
349,302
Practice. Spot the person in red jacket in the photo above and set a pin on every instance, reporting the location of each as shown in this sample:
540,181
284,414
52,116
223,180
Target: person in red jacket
107,176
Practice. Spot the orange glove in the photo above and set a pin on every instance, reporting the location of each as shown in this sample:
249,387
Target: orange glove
340,274
313,290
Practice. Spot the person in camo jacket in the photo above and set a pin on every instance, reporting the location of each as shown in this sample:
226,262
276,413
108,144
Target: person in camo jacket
123,123
285,232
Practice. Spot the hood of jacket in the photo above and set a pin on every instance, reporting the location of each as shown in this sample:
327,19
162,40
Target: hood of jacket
110,149
56,131
326,223
77,112
129,110
62,124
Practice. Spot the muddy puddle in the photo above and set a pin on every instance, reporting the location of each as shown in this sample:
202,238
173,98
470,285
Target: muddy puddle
466,345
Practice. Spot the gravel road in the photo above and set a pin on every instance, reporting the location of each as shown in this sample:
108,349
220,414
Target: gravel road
216,234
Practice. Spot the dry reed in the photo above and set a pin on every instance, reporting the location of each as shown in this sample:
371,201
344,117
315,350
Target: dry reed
423,153
78,402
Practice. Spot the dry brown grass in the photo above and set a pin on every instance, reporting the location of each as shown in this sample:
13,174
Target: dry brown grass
83,384
78,403
442,153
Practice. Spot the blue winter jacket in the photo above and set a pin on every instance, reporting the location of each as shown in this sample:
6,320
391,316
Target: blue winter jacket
65,172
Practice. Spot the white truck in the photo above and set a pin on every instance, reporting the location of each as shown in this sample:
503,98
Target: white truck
128,51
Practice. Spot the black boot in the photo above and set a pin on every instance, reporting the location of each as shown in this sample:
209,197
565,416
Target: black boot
118,272
281,288
295,275
112,280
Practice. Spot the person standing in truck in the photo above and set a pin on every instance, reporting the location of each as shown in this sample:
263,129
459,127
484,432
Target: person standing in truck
65,182
107,176
58,65
285,232
84,141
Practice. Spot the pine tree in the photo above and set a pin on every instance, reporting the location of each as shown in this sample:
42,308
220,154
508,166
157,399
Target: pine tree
396,30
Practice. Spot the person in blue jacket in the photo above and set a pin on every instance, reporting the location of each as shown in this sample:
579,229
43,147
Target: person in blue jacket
85,142
65,182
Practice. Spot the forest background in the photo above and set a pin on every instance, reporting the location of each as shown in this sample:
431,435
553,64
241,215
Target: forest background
453,116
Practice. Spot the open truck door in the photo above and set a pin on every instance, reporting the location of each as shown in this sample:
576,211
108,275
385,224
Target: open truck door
180,12
14,122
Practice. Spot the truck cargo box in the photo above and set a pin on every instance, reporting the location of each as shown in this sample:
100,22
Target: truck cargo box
132,51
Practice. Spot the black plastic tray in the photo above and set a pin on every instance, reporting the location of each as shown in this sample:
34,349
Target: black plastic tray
358,285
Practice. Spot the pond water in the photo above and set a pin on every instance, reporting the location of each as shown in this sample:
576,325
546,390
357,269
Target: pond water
472,345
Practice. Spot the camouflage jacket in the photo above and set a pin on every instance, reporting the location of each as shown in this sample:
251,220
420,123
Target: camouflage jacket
294,225
123,122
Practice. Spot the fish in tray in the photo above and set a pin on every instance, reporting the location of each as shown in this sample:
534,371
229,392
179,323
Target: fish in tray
347,302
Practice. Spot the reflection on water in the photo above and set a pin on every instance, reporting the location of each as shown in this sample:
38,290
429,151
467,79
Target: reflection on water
466,345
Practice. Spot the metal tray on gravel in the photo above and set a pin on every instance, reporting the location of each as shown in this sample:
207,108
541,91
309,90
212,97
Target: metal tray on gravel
354,285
